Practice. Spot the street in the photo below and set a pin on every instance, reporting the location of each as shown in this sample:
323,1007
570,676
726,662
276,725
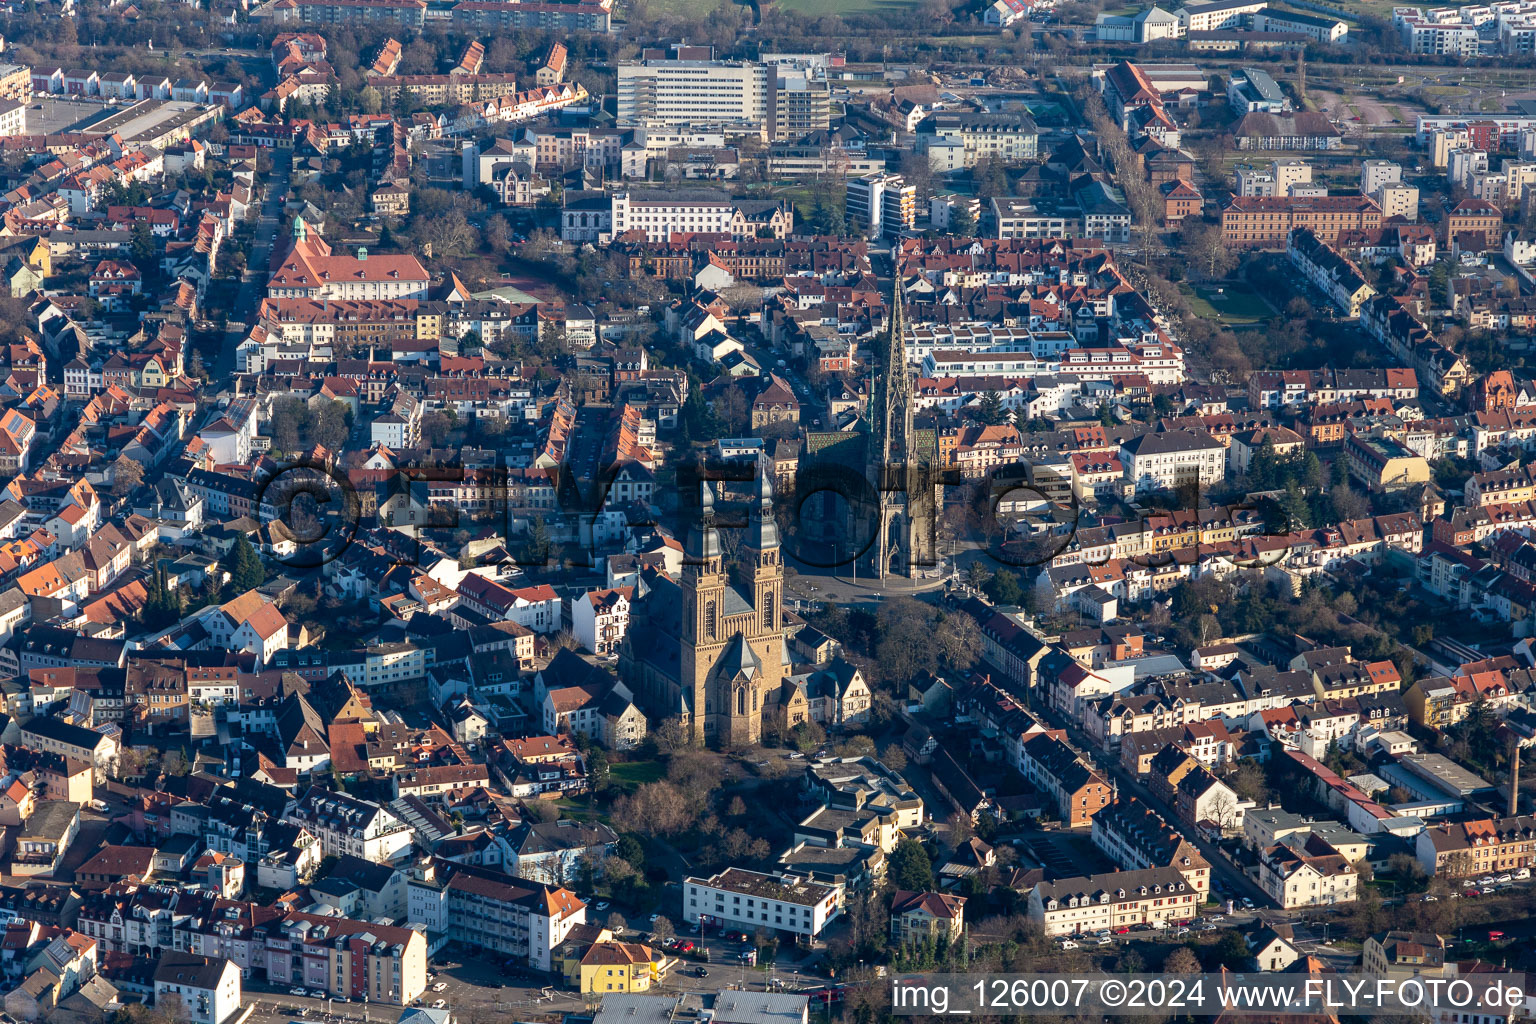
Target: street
253,281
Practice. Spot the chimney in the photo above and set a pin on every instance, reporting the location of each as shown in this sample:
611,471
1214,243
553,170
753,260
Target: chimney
1514,778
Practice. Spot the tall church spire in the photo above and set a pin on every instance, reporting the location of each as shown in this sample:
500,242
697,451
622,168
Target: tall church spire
895,407
899,457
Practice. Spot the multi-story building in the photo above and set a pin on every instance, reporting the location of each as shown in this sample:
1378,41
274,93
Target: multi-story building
1383,463
1265,222
494,911
348,825
347,958
663,216
1118,899
482,15
206,988
1475,222
1306,871
1467,849
600,618
1318,29
1401,955
919,917
751,900
1440,32
307,269
770,101
1217,15
16,83
1173,459
974,136
882,204
1135,836
1021,218
1376,173
1330,271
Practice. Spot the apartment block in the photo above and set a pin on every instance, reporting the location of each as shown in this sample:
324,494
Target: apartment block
750,900
770,101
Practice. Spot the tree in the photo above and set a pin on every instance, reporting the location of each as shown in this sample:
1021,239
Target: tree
163,604
542,811
906,646
1005,588
244,567
962,223
1182,961
498,234
662,930
126,476
141,247
960,640
989,410
910,867
616,923
1207,248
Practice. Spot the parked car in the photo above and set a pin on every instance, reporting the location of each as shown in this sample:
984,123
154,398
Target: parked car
1521,874
316,993
686,946
297,992
1485,881
1506,878
1068,944
701,972
1106,940
440,986
438,1004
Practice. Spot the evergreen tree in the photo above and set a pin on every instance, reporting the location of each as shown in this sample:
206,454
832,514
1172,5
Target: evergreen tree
1004,588
910,867
1263,468
1340,474
244,567
1312,472
989,411
1297,513
163,605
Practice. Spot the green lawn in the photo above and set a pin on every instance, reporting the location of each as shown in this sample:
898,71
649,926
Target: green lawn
632,774
816,8
692,9
1234,304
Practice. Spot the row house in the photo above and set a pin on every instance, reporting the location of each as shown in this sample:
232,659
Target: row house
1078,790
1135,837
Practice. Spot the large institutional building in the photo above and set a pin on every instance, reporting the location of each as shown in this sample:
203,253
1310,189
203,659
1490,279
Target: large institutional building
770,101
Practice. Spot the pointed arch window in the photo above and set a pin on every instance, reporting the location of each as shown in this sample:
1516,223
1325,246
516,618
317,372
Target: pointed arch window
768,610
709,620
741,700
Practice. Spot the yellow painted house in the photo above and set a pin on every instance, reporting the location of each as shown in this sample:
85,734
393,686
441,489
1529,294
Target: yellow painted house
612,966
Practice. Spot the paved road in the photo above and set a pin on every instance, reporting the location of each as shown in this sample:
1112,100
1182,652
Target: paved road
257,268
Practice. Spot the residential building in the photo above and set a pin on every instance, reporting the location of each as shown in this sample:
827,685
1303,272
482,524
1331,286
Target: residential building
749,900
1118,899
926,917
203,989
